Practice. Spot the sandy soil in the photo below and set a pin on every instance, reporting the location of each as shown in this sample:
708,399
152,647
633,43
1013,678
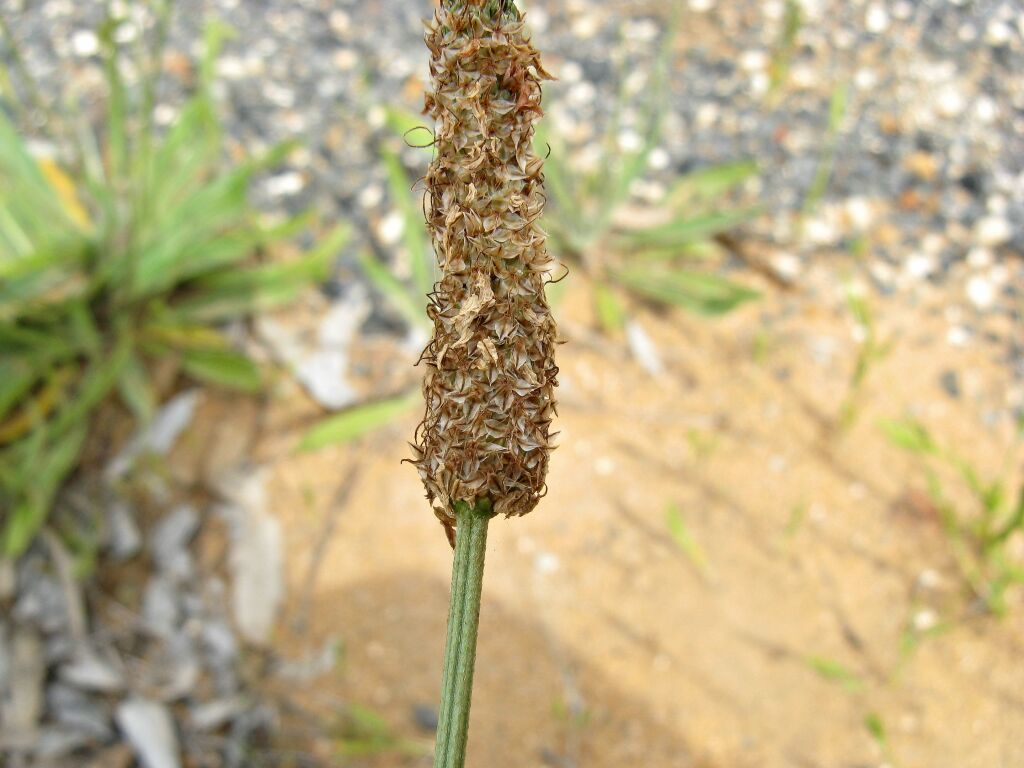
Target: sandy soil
602,643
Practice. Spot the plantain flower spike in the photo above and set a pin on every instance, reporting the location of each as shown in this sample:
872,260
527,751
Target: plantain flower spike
484,441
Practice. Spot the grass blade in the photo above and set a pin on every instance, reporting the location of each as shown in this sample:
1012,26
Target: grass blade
357,421
681,535
700,293
686,231
223,368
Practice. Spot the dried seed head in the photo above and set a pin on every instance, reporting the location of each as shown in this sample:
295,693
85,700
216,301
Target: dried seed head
490,364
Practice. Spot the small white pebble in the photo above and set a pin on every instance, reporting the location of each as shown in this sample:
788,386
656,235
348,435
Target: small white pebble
992,231
981,292
85,43
635,82
958,336
786,265
230,68
345,59
950,101
377,117
126,33
582,94
919,265
819,231
753,61
643,348
925,619
391,228
865,79
997,33
370,196
546,563
986,110
659,159
933,243
538,19
882,272
805,76
707,114
903,10
164,114
279,95
284,184
929,578
339,22
629,140
643,30
526,545
996,205
700,6
570,72
773,9
585,27
876,19
760,82
979,257
860,212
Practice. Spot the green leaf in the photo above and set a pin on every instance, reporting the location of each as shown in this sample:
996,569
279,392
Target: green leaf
697,292
836,671
17,376
991,496
240,292
411,128
557,176
684,539
365,733
401,298
117,107
181,246
224,368
706,184
909,435
95,385
32,215
860,310
686,231
48,467
610,312
357,421
414,234
136,390
876,727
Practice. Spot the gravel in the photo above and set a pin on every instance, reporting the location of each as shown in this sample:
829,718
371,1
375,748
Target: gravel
926,185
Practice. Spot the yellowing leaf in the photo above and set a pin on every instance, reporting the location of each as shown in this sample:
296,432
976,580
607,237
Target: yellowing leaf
65,189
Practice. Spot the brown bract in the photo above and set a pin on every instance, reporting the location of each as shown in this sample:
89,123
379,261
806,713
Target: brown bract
490,363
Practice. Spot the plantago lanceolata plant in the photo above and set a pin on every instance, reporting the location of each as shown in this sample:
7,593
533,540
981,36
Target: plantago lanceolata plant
482,448
133,244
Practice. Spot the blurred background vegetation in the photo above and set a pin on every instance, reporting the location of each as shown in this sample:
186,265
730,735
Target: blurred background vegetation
789,282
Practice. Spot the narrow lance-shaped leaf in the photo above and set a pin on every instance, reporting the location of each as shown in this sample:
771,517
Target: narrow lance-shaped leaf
357,421
414,237
703,294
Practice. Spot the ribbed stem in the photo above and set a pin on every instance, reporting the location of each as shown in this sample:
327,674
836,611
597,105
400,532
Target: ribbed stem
460,646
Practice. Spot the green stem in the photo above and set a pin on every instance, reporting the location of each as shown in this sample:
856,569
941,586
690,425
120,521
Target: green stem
460,646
